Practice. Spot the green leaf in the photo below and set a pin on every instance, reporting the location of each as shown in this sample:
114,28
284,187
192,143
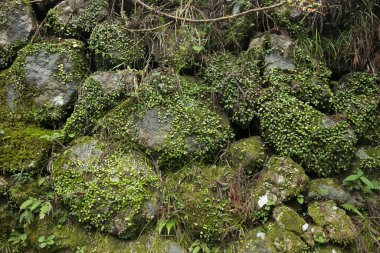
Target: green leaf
352,208
169,225
196,249
41,238
198,48
160,226
36,204
367,182
46,208
26,203
27,216
43,245
352,178
300,199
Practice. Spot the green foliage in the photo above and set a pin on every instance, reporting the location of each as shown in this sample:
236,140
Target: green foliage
114,47
199,246
236,80
174,120
167,224
321,144
46,242
18,241
359,181
34,206
352,208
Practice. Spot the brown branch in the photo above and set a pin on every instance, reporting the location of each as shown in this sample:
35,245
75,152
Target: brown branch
189,20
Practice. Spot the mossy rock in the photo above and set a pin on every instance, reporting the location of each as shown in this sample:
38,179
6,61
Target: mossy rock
71,236
332,249
315,235
367,158
289,219
171,119
236,81
330,189
357,96
98,94
284,240
115,47
200,196
25,188
76,17
247,154
41,84
322,145
17,22
179,47
335,221
280,180
255,241
110,189
23,147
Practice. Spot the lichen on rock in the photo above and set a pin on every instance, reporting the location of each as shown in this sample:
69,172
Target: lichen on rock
113,190
41,84
337,224
17,22
289,219
98,94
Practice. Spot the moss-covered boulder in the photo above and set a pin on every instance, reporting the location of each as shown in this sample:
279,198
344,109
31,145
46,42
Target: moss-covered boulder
247,154
24,148
314,235
171,118
115,47
200,194
76,17
332,249
289,219
281,180
236,81
330,189
255,241
284,240
16,25
99,93
71,237
334,220
357,96
41,84
110,189
322,145
368,158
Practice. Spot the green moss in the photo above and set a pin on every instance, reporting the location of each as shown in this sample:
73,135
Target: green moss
23,148
236,80
21,92
247,154
68,19
200,196
114,47
112,190
335,221
323,145
171,118
289,219
281,180
98,94
254,241
284,240
357,96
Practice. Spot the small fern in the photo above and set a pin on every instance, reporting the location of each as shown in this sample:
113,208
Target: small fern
351,208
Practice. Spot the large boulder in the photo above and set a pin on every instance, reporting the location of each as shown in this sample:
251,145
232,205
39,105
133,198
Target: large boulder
99,93
115,47
289,219
113,190
236,81
247,154
16,25
201,195
170,120
41,84
76,17
24,148
357,96
280,180
321,144
337,224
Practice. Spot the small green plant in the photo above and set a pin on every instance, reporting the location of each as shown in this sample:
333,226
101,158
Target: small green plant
34,206
17,241
167,224
199,246
300,199
351,208
359,181
44,241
